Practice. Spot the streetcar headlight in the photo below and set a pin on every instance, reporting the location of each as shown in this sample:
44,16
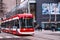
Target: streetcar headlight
24,29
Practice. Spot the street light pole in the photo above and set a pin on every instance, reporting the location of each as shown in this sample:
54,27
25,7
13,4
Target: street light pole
55,15
55,18
28,7
50,14
16,6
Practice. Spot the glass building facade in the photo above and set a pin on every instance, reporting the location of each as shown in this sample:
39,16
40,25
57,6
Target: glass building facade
48,13
51,8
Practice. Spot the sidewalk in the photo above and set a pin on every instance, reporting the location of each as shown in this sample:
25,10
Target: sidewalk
48,35
48,31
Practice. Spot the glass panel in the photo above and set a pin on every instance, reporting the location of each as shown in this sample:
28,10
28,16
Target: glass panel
3,25
16,24
45,8
27,23
50,8
22,23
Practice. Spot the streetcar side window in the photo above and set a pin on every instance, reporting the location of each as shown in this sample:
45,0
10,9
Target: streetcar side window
3,25
22,22
16,23
26,23
29,22
7,24
11,24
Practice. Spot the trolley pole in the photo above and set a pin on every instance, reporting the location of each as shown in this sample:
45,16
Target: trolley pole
17,3
16,6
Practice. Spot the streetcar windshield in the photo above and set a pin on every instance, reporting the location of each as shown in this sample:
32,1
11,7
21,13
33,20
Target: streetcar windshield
27,23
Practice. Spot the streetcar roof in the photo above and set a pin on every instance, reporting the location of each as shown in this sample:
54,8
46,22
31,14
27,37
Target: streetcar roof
18,16
25,15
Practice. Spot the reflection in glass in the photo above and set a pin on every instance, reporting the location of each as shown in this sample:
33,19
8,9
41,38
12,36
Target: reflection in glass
50,8
26,23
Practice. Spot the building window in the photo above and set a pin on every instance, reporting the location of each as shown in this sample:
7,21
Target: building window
51,8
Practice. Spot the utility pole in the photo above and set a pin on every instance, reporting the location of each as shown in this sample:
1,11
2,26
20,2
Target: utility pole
55,17
28,7
50,14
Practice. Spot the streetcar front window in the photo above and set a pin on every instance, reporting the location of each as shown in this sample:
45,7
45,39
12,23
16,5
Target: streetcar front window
27,23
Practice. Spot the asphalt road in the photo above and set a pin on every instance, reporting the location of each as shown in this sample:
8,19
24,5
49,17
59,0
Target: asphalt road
39,35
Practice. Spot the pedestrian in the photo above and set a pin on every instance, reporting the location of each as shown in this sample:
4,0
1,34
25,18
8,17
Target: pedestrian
46,28
35,23
53,28
37,26
40,28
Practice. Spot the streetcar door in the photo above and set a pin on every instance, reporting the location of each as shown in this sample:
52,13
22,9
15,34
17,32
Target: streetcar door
16,24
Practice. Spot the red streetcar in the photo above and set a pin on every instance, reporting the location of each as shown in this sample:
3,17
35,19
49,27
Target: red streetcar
19,24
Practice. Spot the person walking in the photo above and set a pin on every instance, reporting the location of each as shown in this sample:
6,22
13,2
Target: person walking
40,28
37,26
53,28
